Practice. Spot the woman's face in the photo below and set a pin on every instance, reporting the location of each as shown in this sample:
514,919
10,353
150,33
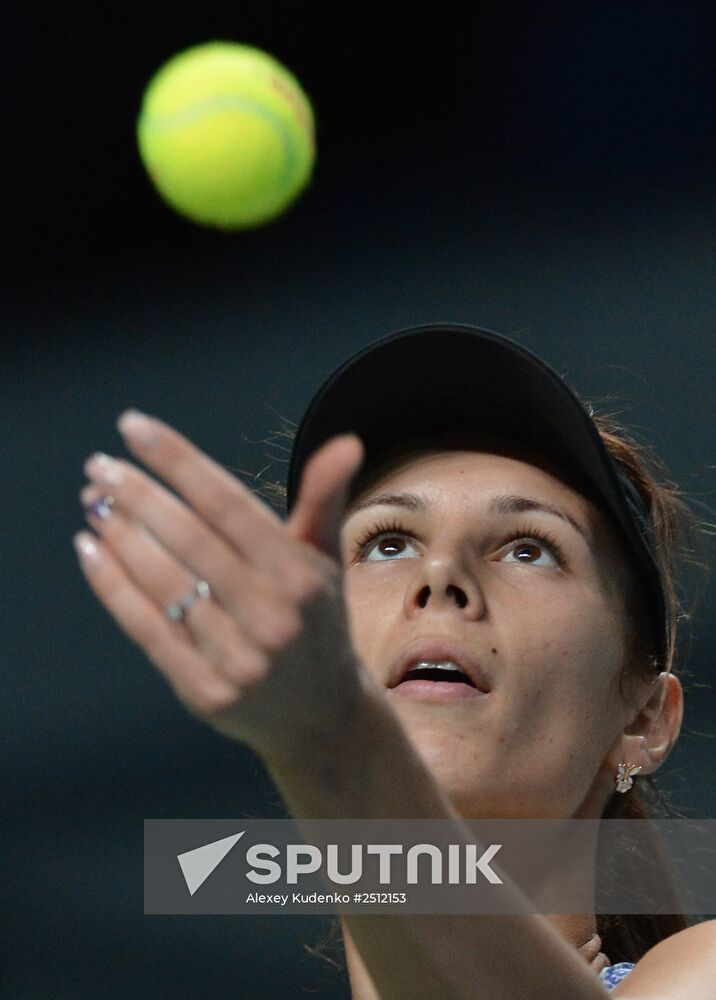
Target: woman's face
545,621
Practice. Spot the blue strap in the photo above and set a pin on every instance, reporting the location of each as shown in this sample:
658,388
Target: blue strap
614,974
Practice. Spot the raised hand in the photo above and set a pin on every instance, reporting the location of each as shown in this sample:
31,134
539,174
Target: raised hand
266,656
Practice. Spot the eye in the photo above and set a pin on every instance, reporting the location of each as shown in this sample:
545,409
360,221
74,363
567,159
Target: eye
388,540
536,539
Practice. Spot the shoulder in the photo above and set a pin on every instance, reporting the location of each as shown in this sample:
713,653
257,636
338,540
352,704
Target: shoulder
682,966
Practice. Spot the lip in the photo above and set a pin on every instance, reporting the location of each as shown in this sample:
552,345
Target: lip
425,648
448,691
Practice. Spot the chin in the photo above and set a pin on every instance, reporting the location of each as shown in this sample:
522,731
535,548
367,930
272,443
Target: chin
450,760
464,778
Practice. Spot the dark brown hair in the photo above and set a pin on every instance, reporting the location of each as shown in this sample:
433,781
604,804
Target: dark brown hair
624,937
627,937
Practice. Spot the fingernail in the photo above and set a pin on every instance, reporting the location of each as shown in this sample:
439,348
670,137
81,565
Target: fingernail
106,469
87,550
138,427
99,506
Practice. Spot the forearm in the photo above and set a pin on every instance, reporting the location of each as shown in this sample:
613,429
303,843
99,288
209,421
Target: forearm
367,769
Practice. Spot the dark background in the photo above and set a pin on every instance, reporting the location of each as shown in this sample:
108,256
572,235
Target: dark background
545,171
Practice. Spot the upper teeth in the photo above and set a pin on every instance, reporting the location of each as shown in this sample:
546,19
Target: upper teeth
437,665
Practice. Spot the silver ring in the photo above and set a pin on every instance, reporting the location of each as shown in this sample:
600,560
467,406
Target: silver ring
176,611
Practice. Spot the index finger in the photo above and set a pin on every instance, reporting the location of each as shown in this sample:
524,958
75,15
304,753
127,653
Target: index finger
221,499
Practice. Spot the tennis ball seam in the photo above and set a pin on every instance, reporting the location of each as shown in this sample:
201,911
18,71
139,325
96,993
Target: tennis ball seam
188,116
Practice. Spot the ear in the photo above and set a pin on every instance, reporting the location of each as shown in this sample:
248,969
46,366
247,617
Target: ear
647,740
323,492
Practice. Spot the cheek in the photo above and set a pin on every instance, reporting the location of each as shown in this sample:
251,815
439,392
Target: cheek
369,609
578,628
566,651
375,602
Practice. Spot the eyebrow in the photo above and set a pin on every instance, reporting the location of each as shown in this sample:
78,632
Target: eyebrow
504,503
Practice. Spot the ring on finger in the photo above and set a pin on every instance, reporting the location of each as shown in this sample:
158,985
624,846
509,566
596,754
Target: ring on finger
101,507
177,610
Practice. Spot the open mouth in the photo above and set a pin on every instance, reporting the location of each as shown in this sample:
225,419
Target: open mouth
437,668
447,673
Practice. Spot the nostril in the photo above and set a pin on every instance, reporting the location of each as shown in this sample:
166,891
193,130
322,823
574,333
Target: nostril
459,595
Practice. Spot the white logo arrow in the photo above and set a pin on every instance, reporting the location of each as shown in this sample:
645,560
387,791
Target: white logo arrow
198,864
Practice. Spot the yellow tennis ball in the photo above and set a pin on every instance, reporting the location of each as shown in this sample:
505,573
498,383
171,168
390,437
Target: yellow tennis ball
226,134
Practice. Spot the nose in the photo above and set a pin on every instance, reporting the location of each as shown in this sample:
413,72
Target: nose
441,584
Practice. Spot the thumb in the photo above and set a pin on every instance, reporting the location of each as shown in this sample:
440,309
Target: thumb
323,491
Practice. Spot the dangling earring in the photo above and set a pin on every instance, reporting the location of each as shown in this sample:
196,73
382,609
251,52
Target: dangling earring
624,776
